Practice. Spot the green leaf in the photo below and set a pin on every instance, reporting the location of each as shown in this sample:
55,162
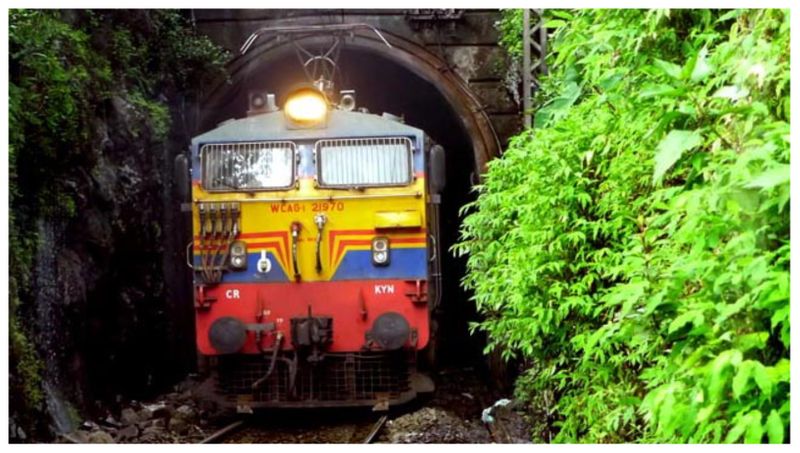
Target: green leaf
555,23
694,317
732,14
557,107
670,69
701,67
658,91
671,148
755,340
732,92
780,371
736,432
740,380
762,378
718,377
755,432
749,424
776,175
774,427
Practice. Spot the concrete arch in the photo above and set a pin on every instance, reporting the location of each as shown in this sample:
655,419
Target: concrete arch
414,57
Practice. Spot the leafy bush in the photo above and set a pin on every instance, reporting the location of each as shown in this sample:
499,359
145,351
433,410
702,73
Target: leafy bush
633,248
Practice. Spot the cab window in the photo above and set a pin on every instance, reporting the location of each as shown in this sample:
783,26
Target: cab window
364,162
248,166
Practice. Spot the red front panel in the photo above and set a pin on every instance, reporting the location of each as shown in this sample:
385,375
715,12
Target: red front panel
353,305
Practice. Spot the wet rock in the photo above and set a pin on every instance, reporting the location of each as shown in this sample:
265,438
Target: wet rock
129,416
160,423
185,396
152,434
100,437
186,412
182,420
435,425
77,437
111,421
510,426
505,423
178,425
150,411
129,432
89,425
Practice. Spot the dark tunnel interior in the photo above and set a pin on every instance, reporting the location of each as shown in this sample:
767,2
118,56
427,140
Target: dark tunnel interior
382,85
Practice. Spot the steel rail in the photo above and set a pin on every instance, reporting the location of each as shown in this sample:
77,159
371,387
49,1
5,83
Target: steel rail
376,429
223,432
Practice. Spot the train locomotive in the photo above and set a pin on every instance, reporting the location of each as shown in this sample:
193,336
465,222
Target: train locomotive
315,254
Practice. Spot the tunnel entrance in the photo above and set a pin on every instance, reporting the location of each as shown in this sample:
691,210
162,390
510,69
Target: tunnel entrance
383,84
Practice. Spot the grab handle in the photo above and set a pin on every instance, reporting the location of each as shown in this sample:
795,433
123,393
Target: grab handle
319,220
188,253
295,236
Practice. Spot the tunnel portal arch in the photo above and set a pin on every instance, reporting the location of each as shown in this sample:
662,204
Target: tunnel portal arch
416,59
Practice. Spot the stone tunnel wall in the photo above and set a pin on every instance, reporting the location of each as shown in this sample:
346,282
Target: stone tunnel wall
465,40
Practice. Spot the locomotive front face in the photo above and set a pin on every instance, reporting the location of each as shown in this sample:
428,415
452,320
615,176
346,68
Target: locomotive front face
311,250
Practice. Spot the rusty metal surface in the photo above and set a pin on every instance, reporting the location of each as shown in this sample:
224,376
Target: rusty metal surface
345,380
534,50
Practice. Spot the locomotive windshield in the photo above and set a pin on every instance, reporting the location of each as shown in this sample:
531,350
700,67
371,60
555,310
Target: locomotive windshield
364,162
248,166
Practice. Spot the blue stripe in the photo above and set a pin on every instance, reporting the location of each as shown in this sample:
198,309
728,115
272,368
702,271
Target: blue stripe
406,263
410,264
275,275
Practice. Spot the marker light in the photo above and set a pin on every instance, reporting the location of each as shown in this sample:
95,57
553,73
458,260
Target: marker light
306,107
380,251
238,255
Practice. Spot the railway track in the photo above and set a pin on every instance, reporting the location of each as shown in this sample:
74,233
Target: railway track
224,434
373,433
225,431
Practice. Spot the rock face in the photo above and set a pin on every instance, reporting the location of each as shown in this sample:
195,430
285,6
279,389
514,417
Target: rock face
99,288
113,293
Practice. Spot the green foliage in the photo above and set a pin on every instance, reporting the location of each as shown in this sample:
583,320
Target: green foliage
633,248
510,28
156,114
64,69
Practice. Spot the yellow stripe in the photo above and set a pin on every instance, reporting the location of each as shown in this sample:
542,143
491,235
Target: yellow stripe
261,213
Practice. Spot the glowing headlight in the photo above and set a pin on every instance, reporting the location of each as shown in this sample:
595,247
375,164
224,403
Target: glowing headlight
380,251
238,258
306,107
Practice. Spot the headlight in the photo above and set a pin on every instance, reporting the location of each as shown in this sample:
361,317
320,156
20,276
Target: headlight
380,251
238,258
306,107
